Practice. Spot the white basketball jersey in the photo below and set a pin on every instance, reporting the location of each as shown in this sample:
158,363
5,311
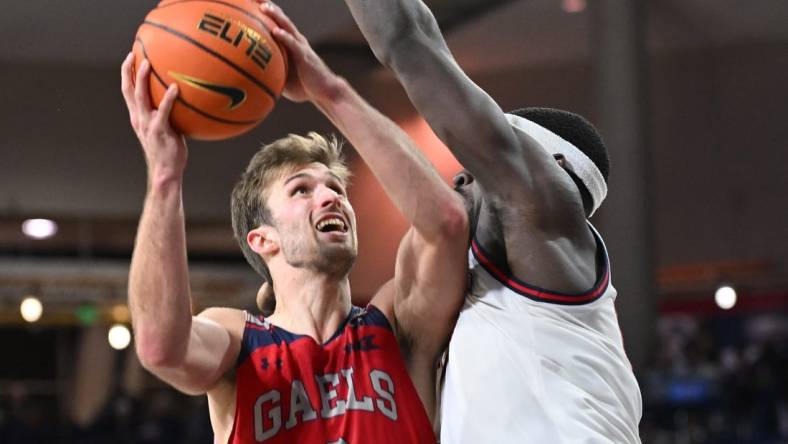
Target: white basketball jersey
527,365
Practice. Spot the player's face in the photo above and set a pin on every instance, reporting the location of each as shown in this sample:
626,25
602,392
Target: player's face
315,222
471,194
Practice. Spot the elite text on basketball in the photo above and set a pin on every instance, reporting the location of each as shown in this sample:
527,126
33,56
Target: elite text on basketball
236,33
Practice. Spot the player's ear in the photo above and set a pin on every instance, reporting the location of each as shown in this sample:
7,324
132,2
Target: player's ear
263,240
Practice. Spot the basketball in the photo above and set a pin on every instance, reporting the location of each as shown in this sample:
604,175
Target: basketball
228,68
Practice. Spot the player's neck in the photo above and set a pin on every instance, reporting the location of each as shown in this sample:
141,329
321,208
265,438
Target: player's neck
310,303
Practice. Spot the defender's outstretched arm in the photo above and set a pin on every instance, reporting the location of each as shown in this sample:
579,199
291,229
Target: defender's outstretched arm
405,37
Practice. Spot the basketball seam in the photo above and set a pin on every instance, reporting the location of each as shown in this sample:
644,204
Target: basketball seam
211,52
189,105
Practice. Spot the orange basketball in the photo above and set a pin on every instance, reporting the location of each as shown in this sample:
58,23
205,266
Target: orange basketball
228,68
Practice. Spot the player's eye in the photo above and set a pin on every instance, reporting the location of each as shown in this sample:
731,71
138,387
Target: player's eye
299,191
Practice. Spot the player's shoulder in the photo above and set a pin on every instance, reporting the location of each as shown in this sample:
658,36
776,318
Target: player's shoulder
231,319
220,314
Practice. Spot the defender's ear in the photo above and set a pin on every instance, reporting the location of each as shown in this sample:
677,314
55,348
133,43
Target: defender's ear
263,240
560,159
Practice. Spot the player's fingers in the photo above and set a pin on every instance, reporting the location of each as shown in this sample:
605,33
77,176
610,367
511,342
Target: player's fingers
126,84
280,18
141,89
287,39
165,107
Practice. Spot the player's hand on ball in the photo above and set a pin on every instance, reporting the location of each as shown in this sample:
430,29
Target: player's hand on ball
165,149
308,78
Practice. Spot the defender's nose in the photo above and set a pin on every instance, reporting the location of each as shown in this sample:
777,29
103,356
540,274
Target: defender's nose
462,179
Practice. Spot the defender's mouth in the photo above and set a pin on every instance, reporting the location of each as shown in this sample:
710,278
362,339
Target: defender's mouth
331,224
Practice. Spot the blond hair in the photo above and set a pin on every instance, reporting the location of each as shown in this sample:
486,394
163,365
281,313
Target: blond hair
250,194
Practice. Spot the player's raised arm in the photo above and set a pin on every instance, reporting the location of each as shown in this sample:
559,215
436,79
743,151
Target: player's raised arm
408,177
189,353
430,275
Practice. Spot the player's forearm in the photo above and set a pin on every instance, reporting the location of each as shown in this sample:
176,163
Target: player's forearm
158,280
408,177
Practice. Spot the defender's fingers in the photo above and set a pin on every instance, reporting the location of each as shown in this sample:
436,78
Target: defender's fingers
165,107
126,84
141,89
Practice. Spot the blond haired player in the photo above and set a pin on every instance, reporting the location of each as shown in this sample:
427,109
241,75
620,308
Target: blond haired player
318,370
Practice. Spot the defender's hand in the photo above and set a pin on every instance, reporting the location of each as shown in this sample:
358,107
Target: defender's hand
165,149
309,78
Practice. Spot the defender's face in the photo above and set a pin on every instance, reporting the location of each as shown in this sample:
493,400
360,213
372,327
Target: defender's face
313,218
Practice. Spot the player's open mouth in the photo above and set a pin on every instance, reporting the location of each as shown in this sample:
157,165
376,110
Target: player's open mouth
331,225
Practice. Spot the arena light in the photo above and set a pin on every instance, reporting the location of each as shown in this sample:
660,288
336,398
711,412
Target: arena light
39,228
119,337
31,309
725,297
573,6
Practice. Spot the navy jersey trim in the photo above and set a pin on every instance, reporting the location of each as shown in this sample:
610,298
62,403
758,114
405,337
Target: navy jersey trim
372,316
259,332
256,334
540,294
353,313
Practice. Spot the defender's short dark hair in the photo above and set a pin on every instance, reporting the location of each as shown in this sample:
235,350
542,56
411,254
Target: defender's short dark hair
575,129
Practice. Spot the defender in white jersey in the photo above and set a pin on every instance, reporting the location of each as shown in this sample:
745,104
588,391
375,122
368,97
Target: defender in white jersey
536,355
529,365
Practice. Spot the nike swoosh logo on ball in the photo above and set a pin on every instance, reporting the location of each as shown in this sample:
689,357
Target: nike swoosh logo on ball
237,96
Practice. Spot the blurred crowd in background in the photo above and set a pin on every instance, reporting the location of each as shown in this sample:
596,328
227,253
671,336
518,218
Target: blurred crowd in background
717,381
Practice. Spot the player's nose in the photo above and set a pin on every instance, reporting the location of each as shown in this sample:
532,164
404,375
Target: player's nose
327,197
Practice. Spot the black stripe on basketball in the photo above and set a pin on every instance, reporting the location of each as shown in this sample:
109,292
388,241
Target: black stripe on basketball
189,105
213,53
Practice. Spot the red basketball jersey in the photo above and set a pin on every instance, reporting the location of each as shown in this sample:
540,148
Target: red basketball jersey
353,389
